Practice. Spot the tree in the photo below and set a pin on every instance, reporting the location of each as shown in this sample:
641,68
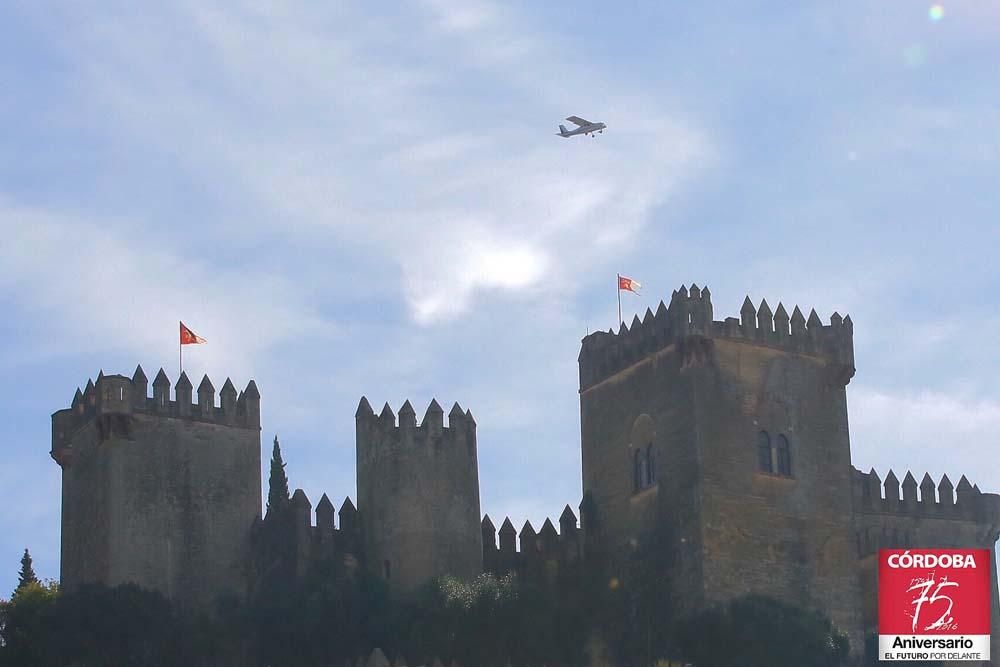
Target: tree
757,631
27,574
477,622
123,625
24,626
277,483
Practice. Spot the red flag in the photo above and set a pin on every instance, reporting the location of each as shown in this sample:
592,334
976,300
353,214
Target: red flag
189,337
628,284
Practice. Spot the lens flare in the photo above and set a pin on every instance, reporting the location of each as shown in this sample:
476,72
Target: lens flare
936,12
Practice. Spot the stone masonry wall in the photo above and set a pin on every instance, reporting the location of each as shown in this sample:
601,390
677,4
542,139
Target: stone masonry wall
165,498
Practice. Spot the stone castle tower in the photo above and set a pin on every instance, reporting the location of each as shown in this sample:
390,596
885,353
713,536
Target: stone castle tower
418,494
159,492
733,437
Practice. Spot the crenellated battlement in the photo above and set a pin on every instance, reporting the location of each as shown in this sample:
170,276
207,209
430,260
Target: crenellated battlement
290,534
539,551
379,434
943,500
690,314
112,400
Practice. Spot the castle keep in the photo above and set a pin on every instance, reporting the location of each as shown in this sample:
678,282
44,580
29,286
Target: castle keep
728,438
159,492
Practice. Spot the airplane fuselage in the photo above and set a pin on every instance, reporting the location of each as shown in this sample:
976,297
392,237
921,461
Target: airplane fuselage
583,129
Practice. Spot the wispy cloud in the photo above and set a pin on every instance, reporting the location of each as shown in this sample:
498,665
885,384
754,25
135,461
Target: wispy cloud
286,107
97,289
925,430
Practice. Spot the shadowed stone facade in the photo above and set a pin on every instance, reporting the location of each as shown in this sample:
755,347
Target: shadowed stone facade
746,424
728,437
158,492
418,488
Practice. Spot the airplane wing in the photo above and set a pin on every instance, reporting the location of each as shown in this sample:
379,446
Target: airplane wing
579,121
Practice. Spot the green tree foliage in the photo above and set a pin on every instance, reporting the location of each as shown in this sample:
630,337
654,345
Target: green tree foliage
330,616
490,620
632,600
27,574
25,623
335,614
474,622
756,631
124,625
277,482
95,625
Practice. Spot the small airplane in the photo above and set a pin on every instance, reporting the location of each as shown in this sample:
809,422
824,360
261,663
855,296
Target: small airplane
583,127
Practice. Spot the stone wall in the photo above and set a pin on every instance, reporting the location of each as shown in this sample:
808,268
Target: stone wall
648,404
783,533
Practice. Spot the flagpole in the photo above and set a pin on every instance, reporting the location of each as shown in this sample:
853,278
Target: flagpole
618,285
180,354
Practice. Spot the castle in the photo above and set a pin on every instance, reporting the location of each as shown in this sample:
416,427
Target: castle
731,436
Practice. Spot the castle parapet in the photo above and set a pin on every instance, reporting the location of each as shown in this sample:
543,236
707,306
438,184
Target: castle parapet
690,314
288,539
872,495
541,553
382,434
112,400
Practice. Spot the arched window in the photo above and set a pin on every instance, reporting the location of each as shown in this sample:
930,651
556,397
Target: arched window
640,444
636,471
644,468
650,464
784,457
764,463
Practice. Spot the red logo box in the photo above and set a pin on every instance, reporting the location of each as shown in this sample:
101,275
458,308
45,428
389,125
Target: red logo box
934,603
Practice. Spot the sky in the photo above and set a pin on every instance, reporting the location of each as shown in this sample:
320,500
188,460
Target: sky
367,198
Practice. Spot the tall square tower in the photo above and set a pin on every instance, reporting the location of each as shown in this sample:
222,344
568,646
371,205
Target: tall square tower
732,437
158,492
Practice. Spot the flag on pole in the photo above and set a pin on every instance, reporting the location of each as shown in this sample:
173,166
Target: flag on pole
625,284
628,284
189,337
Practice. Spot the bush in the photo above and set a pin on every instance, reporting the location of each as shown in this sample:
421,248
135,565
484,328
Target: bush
757,631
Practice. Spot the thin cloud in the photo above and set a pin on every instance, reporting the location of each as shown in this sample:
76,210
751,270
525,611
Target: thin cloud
107,291
925,430
444,210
